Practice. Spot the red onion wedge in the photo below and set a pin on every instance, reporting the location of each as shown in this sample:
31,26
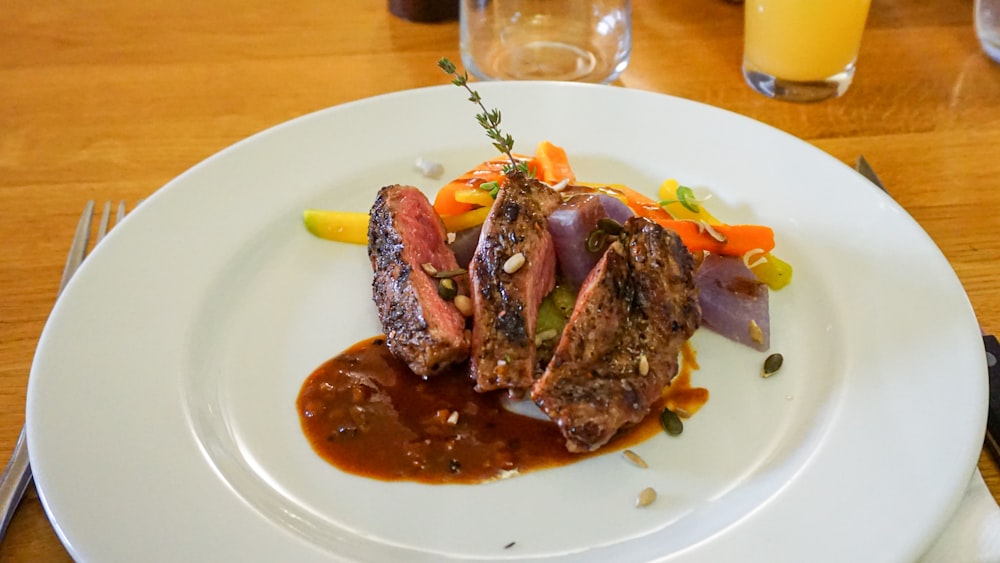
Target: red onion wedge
572,223
733,302
464,245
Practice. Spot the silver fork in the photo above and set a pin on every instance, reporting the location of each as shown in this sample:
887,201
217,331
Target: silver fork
17,475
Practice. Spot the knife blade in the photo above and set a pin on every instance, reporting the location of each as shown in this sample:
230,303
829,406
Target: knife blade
990,343
866,170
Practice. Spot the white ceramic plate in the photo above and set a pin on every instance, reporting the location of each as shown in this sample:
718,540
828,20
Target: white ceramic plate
161,409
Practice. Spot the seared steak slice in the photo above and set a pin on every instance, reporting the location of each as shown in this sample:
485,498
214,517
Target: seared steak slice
620,347
422,329
505,295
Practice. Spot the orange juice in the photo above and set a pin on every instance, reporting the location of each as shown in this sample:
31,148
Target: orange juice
803,40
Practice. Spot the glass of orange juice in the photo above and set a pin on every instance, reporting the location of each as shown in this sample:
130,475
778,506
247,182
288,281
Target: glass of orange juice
802,50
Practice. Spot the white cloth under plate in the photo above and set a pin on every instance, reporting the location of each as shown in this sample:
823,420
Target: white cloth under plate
973,535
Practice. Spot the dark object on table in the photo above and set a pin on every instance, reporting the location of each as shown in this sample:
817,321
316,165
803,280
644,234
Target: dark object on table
993,420
425,11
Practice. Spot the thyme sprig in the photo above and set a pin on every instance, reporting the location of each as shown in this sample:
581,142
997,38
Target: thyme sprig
489,119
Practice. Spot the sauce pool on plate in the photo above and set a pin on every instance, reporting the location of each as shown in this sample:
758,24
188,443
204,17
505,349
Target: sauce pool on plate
366,413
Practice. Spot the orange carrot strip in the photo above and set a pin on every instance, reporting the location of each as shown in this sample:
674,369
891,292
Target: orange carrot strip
489,171
553,164
740,239
445,202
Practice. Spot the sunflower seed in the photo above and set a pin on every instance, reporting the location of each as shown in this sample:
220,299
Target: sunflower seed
756,333
545,335
634,458
646,497
714,233
514,263
618,248
464,305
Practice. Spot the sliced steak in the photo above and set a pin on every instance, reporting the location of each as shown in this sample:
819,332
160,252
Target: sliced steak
422,329
639,301
505,303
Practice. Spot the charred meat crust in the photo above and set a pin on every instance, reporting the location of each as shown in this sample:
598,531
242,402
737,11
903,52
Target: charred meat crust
505,304
640,300
422,329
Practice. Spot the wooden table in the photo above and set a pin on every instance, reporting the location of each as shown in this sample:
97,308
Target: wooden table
110,99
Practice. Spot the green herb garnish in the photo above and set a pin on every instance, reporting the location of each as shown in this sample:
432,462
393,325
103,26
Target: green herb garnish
685,197
492,187
488,119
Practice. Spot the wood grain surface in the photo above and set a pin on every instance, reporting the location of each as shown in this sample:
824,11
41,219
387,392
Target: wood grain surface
110,99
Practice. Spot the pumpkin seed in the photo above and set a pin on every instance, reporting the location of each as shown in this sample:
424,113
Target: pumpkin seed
671,423
449,273
609,225
447,289
595,240
756,333
771,365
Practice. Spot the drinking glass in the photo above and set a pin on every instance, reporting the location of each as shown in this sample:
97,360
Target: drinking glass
988,27
802,50
581,40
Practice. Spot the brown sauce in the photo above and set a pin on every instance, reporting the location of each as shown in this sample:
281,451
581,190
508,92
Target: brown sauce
366,413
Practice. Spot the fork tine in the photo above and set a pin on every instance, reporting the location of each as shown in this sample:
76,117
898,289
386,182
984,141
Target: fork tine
121,212
102,228
79,248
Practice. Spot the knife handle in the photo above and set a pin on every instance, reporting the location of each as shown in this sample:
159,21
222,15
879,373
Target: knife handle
993,418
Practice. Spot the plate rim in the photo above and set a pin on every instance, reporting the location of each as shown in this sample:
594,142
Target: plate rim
97,261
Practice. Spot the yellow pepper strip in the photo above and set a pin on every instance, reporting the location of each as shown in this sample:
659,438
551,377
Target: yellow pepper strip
773,271
668,192
476,196
341,226
467,220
